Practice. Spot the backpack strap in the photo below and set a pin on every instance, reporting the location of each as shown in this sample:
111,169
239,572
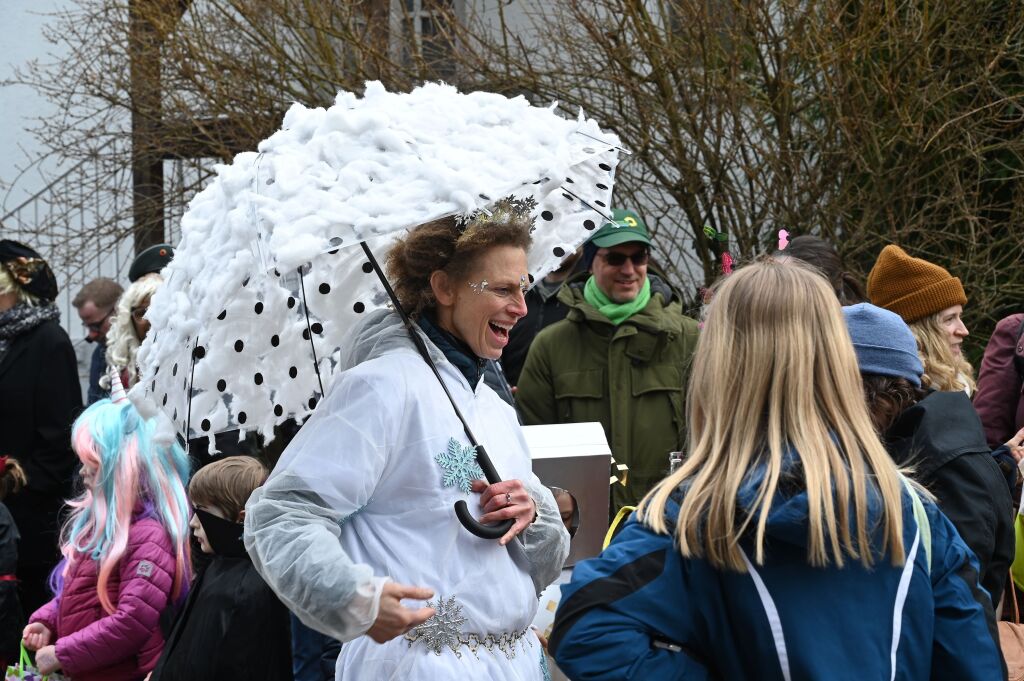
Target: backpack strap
923,526
616,525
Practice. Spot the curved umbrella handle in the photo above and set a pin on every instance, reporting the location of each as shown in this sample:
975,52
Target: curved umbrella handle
462,509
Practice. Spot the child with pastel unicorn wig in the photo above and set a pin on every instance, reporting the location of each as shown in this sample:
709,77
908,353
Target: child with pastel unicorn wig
125,547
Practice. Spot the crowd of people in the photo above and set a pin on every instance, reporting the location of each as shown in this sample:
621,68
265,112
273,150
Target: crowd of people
843,507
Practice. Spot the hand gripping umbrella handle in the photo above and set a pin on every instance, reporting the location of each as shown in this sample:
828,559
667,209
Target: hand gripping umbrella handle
462,510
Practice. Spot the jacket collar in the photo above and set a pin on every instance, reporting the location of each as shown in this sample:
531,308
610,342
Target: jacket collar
454,350
936,430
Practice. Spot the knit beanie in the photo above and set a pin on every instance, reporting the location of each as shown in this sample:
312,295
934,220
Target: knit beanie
911,287
884,344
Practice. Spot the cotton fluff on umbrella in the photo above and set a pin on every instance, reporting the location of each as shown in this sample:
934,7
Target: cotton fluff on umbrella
270,271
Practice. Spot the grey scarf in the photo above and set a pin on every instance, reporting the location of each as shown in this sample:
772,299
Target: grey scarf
23,318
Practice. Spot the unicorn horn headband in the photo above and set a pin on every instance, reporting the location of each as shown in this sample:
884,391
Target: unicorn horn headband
117,394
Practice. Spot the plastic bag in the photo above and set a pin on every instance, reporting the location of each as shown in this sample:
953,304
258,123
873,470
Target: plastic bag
24,671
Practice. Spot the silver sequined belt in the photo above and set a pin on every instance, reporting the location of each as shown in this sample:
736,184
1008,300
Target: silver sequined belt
444,630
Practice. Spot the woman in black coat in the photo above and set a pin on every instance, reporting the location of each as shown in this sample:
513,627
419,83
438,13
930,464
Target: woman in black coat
939,436
39,398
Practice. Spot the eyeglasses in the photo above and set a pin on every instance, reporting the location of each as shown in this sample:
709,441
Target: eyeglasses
98,326
616,259
139,313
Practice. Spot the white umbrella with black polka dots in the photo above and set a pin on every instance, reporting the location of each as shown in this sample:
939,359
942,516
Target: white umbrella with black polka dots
270,272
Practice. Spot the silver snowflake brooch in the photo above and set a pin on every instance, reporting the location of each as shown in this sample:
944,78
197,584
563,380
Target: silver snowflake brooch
443,630
459,466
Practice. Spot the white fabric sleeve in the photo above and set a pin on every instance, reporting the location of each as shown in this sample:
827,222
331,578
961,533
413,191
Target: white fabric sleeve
293,523
546,541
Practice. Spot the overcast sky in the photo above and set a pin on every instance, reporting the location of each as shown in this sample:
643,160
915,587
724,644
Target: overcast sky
21,39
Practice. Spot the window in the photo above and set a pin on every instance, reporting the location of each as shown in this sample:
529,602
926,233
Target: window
428,26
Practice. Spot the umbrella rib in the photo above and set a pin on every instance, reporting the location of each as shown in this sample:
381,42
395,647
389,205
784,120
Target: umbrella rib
191,382
604,142
585,203
309,331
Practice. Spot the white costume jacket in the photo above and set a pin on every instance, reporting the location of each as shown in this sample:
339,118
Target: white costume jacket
366,492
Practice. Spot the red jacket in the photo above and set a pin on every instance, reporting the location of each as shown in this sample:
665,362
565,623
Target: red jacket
1000,396
124,646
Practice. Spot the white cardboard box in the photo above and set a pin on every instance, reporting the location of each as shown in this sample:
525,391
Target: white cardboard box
576,457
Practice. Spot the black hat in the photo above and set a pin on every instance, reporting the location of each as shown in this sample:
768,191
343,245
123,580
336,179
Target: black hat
29,269
151,260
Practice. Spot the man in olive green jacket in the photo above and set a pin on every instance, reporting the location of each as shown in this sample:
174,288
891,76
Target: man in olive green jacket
620,357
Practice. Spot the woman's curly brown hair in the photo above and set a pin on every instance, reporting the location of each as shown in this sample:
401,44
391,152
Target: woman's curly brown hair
446,245
888,397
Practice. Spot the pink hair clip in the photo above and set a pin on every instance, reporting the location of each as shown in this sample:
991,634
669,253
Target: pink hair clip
726,263
783,239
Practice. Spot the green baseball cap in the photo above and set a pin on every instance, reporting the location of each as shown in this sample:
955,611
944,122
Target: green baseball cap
626,226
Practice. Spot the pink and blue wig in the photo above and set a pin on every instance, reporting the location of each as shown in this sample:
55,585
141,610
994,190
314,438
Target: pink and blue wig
133,477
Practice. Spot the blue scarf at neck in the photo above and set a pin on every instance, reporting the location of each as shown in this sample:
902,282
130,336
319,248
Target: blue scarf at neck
455,350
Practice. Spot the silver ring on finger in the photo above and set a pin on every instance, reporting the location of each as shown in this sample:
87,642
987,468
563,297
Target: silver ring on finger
508,498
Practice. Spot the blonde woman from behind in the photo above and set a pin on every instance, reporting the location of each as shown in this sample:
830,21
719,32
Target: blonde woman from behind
787,546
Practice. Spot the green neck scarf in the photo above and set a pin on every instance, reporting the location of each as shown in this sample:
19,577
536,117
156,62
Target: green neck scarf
616,312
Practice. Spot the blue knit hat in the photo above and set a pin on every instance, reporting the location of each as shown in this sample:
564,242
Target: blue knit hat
884,343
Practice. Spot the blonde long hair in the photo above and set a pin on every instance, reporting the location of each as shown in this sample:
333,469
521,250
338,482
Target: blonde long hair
775,369
942,369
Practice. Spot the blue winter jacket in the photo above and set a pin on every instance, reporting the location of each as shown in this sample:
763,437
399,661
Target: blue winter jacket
642,611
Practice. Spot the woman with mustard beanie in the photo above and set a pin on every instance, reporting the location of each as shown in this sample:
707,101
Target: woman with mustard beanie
931,301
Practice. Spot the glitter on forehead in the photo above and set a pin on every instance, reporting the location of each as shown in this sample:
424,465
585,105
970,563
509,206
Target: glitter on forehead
478,287
523,285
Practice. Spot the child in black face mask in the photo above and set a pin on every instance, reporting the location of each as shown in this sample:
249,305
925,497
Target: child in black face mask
232,626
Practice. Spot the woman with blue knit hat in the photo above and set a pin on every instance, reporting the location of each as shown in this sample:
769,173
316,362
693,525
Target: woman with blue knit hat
938,435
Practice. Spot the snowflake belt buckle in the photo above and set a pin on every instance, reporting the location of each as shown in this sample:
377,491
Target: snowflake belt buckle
444,630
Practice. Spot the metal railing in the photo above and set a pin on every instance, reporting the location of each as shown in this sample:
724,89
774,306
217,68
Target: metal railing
81,222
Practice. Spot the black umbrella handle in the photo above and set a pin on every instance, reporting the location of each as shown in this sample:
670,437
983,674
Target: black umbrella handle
462,509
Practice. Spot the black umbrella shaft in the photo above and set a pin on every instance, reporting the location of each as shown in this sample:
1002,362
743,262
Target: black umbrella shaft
461,509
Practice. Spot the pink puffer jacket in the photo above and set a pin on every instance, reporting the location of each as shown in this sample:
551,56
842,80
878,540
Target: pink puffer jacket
124,646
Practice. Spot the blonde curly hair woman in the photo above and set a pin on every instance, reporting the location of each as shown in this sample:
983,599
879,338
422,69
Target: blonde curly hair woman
931,301
129,328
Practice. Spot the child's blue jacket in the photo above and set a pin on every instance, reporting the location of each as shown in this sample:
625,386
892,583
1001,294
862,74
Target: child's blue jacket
642,611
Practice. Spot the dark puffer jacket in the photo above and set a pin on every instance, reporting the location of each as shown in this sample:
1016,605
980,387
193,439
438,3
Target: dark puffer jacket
123,646
942,439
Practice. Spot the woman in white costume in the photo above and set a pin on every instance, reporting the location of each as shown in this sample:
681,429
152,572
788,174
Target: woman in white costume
358,515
